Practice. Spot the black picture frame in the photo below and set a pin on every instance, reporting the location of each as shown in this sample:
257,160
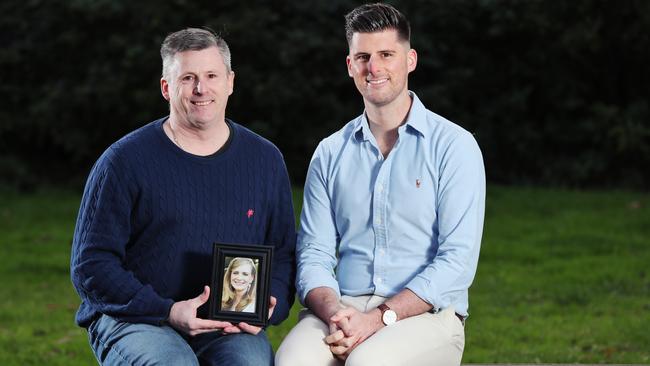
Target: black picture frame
222,305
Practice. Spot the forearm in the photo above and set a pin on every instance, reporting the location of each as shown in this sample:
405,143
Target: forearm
407,304
354,327
323,302
120,294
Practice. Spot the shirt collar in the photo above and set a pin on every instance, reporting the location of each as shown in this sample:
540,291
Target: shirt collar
416,120
417,117
362,129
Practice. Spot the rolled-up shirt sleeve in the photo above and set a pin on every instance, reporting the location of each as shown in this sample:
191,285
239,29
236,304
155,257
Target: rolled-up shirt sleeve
460,211
317,237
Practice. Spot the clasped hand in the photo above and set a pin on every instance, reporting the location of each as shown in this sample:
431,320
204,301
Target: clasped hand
182,317
349,328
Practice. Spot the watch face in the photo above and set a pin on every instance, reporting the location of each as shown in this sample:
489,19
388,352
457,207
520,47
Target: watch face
389,317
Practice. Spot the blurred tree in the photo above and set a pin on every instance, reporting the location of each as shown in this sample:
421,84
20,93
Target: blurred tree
555,92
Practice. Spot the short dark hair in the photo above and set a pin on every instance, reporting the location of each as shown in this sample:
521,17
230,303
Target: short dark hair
192,39
370,18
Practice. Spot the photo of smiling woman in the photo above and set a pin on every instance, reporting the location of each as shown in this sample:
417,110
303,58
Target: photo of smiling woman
239,285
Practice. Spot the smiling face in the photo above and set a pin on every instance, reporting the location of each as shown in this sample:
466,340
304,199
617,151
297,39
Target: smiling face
380,63
241,277
197,87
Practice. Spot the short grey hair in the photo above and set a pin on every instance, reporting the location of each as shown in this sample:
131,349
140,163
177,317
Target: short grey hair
192,39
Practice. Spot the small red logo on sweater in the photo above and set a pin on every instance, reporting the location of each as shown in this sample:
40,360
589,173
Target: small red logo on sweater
250,213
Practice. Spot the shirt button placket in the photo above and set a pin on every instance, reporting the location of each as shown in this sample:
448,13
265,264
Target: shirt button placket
380,228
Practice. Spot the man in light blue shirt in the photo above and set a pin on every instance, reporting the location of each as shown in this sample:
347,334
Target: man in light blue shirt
392,219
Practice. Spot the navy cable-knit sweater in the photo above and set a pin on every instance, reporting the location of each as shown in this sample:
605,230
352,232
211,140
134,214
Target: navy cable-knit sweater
150,213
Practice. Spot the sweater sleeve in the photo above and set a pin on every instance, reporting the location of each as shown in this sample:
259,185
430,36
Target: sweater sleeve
99,247
282,235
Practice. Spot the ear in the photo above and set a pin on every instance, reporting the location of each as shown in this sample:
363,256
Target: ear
412,59
164,88
348,62
231,82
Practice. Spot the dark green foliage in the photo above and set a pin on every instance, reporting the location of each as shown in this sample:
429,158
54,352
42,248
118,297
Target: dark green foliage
556,92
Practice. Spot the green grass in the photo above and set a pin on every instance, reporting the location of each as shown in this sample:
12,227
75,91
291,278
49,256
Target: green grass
564,276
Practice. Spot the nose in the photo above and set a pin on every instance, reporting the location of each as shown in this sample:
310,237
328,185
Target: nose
198,88
374,65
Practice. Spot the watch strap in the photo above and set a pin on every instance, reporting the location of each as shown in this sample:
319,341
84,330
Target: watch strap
388,315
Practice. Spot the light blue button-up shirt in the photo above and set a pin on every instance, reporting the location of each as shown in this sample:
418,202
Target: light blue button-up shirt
414,220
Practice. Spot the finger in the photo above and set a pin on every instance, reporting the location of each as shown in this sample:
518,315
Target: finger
203,297
272,302
232,329
333,327
249,328
207,323
198,323
343,313
348,342
351,348
201,331
334,337
342,352
338,350
344,325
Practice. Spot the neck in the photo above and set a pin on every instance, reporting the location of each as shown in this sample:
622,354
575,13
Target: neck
385,120
202,140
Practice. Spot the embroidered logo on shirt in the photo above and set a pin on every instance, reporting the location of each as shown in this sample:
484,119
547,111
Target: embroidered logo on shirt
250,213
417,183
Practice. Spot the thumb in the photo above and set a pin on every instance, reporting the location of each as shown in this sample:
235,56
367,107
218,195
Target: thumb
203,298
272,302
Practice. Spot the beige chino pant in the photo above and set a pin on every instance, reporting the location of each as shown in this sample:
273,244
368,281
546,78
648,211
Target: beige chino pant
426,339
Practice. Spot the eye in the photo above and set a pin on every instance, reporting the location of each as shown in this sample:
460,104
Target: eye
363,57
386,54
212,76
187,78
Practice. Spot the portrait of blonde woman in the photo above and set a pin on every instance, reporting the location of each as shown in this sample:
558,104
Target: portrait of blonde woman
239,286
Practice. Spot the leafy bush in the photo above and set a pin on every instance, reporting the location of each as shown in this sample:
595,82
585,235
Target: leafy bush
556,93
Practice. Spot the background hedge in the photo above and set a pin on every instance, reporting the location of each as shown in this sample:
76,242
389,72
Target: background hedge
556,92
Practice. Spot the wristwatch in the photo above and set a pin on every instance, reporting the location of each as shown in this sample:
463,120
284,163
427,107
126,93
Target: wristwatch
388,316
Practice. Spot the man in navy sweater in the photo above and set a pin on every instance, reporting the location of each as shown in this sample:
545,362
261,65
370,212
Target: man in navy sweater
156,201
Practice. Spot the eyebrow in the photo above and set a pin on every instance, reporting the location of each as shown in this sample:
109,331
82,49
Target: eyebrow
380,51
193,72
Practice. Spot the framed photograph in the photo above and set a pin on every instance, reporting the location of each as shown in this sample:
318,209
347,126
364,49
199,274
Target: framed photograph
241,276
